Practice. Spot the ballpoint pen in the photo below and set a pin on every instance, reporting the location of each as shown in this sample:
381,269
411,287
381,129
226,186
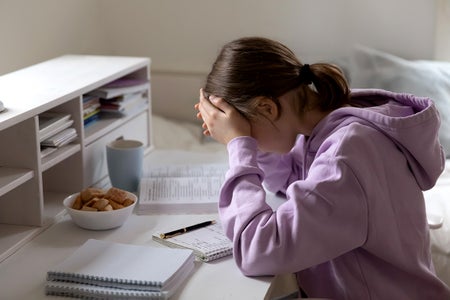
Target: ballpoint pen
185,229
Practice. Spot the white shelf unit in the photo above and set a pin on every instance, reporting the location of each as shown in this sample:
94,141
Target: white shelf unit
31,188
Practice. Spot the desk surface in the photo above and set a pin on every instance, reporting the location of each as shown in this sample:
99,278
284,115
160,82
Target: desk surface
23,275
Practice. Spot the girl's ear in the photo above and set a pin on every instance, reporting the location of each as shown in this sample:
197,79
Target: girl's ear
268,108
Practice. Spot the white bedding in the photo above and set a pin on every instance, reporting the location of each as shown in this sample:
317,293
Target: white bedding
438,204
175,138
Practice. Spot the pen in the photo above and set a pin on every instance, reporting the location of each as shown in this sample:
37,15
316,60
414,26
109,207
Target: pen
186,229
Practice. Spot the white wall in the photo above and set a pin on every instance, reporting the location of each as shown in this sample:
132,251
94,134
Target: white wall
442,42
186,35
183,37
33,31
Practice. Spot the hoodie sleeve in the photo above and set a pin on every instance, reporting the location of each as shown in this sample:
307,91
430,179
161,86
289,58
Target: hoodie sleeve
280,170
320,220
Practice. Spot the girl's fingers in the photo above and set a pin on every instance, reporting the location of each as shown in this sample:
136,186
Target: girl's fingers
221,104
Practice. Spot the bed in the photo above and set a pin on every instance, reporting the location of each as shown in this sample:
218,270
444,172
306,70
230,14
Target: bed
177,129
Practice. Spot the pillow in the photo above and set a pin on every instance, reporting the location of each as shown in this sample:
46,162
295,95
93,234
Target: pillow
370,68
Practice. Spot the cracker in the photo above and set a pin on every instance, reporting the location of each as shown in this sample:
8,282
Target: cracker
77,204
100,203
116,194
89,193
127,202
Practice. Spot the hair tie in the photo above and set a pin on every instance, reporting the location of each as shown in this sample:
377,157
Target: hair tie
305,74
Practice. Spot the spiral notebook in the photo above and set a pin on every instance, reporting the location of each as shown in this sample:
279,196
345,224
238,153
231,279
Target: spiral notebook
107,268
208,243
86,291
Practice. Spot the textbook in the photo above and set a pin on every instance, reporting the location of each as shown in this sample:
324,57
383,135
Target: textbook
208,243
180,189
100,268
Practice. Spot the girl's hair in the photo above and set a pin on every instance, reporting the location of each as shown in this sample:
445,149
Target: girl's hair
252,67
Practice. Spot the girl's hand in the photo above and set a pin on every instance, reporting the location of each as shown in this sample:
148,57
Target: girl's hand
221,121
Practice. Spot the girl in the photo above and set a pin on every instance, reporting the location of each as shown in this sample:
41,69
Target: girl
352,165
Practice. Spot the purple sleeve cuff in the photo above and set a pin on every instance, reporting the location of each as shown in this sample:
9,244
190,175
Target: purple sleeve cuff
242,151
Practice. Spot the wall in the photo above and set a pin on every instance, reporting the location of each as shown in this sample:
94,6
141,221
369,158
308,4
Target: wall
442,42
33,31
186,35
183,37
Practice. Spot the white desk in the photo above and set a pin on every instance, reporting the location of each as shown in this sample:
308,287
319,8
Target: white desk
23,275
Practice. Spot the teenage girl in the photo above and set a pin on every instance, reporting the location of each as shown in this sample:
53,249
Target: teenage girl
351,163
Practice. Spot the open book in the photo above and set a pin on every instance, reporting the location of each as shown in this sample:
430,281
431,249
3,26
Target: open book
105,269
181,189
209,242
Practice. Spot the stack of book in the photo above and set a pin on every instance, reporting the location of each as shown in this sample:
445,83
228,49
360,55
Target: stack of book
91,109
55,131
108,270
123,96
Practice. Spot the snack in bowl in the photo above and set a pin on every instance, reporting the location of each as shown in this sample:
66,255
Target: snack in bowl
98,209
93,199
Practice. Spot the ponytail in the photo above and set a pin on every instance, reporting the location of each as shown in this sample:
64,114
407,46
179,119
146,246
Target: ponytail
330,84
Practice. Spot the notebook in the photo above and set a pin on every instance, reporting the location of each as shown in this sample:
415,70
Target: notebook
103,267
208,243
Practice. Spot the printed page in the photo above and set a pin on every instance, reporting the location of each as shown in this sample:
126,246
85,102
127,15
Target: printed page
180,189
200,170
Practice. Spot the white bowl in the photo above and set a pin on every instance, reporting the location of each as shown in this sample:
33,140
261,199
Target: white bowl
99,220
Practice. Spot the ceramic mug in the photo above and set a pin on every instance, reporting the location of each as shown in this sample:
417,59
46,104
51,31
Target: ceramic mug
125,159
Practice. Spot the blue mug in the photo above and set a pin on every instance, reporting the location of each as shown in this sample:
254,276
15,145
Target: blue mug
125,160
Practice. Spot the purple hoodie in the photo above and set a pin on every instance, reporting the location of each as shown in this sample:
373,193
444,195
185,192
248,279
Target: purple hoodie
354,224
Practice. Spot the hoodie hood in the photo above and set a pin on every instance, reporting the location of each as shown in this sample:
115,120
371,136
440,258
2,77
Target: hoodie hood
411,122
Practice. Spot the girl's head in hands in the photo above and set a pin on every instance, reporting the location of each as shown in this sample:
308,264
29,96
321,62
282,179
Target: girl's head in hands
280,97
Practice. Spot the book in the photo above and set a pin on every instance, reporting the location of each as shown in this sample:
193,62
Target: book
91,119
91,109
124,104
180,189
51,121
61,138
178,195
185,170
121,87
55,130
107,268
208,243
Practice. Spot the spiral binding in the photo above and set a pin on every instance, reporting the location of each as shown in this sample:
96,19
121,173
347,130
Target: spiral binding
67,289
105,281
216,254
